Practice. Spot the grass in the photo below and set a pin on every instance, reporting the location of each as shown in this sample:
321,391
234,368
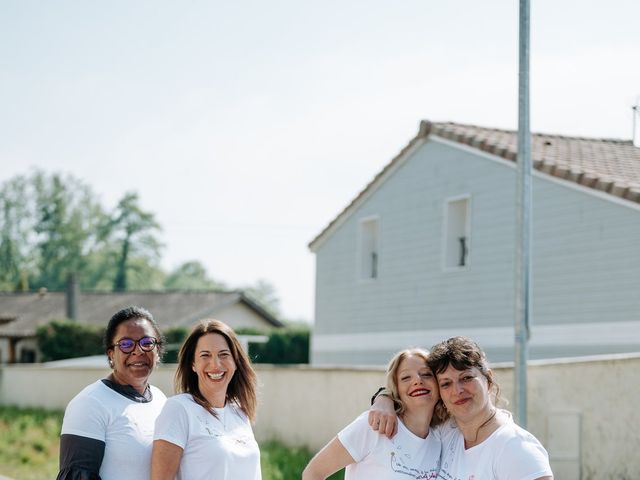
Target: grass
29,443
29,448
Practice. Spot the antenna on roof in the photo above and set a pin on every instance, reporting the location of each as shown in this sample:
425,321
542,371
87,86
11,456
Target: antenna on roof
636,112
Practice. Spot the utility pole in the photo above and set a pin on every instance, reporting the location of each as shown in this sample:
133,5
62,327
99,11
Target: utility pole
523,223
635,112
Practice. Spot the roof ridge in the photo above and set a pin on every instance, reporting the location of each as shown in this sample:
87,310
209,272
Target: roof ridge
536,134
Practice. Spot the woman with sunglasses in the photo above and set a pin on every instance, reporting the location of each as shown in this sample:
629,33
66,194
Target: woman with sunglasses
107,431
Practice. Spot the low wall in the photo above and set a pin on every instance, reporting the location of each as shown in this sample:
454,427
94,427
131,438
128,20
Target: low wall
583,410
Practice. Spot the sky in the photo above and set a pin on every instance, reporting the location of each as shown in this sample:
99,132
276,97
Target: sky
247,126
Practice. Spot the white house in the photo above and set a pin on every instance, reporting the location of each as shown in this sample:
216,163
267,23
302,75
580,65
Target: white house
426,250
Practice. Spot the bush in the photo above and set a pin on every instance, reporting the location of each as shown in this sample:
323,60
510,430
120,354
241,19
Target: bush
285,345
279,462
62,339
174,337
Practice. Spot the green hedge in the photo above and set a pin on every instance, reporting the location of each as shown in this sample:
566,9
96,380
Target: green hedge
62,339
286,345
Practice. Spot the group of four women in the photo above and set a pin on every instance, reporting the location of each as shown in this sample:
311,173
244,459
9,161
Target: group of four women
436,418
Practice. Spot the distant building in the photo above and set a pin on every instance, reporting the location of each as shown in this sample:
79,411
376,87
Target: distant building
21,313
426,251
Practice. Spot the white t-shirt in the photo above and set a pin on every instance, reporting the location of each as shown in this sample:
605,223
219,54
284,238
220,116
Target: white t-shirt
222,448
405,456
510,453
125,426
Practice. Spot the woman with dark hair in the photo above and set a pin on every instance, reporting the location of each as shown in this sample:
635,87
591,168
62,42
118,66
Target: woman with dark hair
107,431
480,441
204,432
413,453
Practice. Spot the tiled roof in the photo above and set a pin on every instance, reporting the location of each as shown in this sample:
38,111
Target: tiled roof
608,165
21,313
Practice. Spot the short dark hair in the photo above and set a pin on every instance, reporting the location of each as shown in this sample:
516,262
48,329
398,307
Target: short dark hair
129,313
461,353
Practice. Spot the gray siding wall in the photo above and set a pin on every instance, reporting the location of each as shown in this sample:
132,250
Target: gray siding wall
585,256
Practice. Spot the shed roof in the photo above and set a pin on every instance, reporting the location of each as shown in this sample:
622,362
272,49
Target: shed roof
21,313
608,165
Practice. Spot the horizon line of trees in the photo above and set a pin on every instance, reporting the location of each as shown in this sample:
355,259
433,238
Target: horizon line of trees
53,225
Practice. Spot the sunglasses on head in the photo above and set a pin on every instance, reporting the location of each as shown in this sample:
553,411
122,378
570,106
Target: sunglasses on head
127,345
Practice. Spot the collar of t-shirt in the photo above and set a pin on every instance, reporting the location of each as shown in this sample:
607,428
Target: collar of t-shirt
129,392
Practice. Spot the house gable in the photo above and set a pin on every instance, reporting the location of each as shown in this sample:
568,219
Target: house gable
580,286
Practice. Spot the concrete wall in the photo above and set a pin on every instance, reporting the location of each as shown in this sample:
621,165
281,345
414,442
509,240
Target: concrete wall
583,410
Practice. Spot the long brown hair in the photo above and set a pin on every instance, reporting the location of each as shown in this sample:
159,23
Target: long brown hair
243,385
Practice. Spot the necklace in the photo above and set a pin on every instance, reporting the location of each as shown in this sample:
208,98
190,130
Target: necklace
485,423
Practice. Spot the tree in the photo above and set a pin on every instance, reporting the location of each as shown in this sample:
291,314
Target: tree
47,229
133,231
67,219
14,229
264,292
191,275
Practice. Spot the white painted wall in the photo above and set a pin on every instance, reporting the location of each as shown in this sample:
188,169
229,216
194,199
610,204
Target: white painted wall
585,265
583,411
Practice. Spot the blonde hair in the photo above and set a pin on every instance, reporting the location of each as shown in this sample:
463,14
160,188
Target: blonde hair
439,412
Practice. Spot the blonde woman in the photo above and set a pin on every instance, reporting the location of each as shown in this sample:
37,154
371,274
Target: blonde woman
413,453
480,441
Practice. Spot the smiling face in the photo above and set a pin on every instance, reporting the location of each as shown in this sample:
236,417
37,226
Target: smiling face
416,385
214,365
135,367
465,393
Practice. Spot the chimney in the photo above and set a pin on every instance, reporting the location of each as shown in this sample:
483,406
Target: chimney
73,292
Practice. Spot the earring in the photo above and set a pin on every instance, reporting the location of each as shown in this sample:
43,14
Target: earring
111,363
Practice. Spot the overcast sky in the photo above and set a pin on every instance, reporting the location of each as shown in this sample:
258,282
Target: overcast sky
247,126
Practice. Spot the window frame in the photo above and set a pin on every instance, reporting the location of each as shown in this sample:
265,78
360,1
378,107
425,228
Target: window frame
359,250
445,233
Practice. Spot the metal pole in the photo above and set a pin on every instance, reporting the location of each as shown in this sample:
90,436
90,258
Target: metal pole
523,224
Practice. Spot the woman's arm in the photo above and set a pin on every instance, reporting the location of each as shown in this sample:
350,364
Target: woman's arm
327,461
382,416
80,458
165,460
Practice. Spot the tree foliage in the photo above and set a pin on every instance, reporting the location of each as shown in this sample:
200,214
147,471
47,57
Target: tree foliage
62,339
264,292
67,217
52,225
191,275
133,232
15,226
